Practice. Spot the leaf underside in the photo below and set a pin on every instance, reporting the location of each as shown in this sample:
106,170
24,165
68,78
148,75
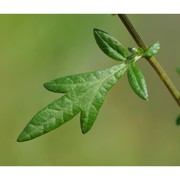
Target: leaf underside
85,94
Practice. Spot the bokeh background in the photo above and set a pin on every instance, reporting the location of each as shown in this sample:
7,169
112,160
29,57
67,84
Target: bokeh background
128,131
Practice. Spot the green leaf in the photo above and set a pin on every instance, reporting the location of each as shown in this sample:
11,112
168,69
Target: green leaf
85,93
137,81
110,46
178,120
152,50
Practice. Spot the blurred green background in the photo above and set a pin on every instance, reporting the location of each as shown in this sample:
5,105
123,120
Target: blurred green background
128,131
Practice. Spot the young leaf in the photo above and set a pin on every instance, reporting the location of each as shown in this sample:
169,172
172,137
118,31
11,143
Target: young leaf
138,51
85,93
110,46
152,50
137,81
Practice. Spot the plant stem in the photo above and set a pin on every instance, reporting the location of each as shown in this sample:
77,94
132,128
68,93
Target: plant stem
154,63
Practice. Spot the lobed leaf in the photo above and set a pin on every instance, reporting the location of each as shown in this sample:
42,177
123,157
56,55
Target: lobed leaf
110,46
152,50
85,93
137,81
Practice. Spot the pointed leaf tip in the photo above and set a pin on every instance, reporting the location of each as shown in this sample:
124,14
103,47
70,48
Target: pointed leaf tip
110,46
46,86
23,137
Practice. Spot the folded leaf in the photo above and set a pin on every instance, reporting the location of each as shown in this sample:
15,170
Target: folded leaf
137,81
85,93
110,46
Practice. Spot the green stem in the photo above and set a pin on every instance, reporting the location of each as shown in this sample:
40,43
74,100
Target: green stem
154,63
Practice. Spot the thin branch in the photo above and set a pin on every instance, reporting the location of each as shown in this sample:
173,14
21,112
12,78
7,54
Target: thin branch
154,63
